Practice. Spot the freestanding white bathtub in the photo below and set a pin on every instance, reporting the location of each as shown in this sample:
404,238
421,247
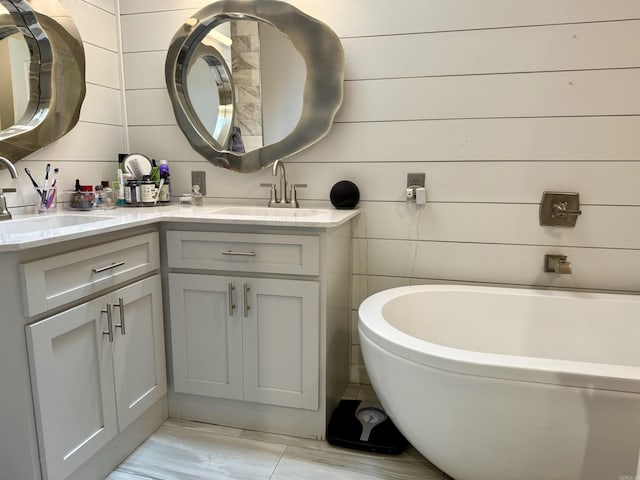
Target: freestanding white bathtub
509,384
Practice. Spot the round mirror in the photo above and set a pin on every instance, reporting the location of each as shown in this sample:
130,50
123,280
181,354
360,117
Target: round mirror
41,75
252,81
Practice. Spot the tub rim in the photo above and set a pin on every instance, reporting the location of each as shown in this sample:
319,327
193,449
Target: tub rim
375,327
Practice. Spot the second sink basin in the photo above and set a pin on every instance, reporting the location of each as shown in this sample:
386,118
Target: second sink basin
268,212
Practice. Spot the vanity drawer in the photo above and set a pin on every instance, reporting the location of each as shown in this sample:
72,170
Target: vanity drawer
61,279
253,252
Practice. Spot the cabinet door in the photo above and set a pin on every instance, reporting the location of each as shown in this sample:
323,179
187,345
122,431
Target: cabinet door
281,335
206,335
138,358
72,382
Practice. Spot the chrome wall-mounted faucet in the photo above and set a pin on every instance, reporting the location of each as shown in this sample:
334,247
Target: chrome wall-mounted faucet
280,198
557,264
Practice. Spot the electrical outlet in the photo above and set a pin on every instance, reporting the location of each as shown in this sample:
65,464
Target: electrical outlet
200,178
416,179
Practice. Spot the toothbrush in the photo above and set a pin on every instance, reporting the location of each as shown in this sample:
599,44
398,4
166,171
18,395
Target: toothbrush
35,184
52,192
55,176
155,200
46,176
44,187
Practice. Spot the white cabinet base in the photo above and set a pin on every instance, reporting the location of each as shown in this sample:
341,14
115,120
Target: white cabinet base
248,415
114,452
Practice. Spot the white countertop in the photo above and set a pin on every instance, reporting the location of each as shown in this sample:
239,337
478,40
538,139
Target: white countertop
29,231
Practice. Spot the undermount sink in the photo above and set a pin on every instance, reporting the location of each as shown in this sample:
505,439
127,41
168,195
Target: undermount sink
268,212
43,223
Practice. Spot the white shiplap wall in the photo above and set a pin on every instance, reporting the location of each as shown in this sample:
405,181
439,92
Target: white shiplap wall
496,101
89,152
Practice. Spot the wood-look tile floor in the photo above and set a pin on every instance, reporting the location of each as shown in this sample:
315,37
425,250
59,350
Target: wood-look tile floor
183,450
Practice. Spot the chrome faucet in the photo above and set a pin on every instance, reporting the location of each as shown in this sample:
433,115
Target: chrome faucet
281,199
279,165
13,171
557,264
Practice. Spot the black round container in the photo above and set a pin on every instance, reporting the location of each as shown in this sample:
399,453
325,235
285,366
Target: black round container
344,195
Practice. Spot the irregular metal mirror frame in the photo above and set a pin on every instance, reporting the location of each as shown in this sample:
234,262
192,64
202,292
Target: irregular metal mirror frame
57,77
318,45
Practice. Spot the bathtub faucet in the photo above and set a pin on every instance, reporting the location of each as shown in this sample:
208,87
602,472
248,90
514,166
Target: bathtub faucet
557,264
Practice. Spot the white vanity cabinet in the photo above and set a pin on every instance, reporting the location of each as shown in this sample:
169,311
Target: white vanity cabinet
95,368
251,314
260,315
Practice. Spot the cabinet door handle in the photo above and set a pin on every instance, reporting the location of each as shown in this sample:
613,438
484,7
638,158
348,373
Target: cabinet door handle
245,299
120,305
109,330
239,254
109,267
232,306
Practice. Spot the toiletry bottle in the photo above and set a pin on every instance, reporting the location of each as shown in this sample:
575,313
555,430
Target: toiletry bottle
196,196
120,185
131,191
155,172
120,180
148,191
87,196
164,195
106,200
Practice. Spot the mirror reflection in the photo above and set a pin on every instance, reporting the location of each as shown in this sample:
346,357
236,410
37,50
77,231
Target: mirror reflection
15,60
275,81
245,84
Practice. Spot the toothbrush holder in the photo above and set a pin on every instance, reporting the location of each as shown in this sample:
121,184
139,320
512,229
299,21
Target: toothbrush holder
47,200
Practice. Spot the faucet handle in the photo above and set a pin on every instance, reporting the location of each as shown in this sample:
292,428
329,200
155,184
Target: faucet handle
294,198
272,193
559,209
4,213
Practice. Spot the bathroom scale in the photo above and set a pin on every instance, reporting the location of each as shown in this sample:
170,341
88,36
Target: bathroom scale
364,426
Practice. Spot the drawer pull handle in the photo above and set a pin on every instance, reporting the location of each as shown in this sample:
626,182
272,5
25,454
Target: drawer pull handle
104,269
240,254
121,325
232,306
245,299
109,330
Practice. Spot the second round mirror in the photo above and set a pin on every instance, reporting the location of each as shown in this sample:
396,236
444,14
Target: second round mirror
253,81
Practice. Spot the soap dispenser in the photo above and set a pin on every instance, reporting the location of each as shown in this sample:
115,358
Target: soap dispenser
196,196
